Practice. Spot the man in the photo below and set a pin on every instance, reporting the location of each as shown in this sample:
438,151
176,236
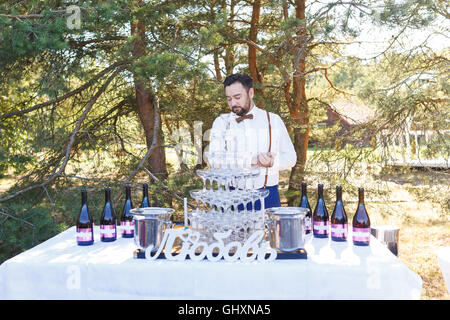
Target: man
255,133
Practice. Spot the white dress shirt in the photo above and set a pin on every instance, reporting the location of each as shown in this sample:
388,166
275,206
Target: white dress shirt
251,136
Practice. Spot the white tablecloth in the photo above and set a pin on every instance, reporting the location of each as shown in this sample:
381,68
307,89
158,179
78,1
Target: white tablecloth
443,255
59,269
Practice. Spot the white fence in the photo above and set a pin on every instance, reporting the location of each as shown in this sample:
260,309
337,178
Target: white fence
395,143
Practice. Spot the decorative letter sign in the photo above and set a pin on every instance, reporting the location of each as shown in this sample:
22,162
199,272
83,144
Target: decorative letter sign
191,244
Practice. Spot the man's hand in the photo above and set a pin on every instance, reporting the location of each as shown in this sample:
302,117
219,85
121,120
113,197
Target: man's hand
265,159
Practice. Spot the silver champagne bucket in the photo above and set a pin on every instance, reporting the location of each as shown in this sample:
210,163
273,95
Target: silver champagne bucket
388,235
149,226
286,228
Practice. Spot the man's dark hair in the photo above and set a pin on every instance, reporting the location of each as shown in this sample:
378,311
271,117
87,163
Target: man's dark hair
244,79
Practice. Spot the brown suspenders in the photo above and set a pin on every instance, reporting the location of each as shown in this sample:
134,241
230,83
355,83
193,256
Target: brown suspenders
270,146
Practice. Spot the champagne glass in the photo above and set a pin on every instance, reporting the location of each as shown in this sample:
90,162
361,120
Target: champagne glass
259,218
254,196
254,173
226,118
195,195
212,180
263,193
209,157
236,225
228,160
247,160
243,177
239,161
237,198
246,199
203,175
221,159
213,159
196,217
237,178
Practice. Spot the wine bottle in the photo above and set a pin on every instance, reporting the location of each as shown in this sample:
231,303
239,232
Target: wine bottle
304,203
108,228
339,222
145,202
361,223
320,216
126,219
85,223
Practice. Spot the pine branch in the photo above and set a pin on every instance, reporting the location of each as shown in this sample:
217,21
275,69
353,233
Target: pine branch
325,71
57,172
166,188
121,182
6,214
83,116
78,44
153,144
22,16
65,96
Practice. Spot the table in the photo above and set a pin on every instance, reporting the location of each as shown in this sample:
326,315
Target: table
59,269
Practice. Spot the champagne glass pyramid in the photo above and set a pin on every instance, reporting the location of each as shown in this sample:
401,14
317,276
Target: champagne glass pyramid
227,207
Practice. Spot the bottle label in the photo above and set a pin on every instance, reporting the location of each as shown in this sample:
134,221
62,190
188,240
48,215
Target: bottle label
107,231
84,234
307,223
339,230
321,227
361,234
127,227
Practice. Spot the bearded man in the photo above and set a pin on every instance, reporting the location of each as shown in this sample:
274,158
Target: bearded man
255,134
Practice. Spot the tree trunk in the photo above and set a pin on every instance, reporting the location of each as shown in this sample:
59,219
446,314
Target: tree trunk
146,110
229,50
217,65
253,36
145,100
216,50
299,106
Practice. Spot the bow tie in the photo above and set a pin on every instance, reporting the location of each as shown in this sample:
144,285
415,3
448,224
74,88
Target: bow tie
247,116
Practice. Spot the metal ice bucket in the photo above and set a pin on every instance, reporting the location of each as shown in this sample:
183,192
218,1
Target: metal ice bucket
286,228
149,226
388,235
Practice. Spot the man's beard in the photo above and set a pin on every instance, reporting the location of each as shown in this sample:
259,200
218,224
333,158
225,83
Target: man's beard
242,110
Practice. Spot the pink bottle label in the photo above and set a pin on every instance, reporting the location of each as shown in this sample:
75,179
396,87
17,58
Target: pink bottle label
307,223
84,234
108,231
339,230
320,227
127,227
361,234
